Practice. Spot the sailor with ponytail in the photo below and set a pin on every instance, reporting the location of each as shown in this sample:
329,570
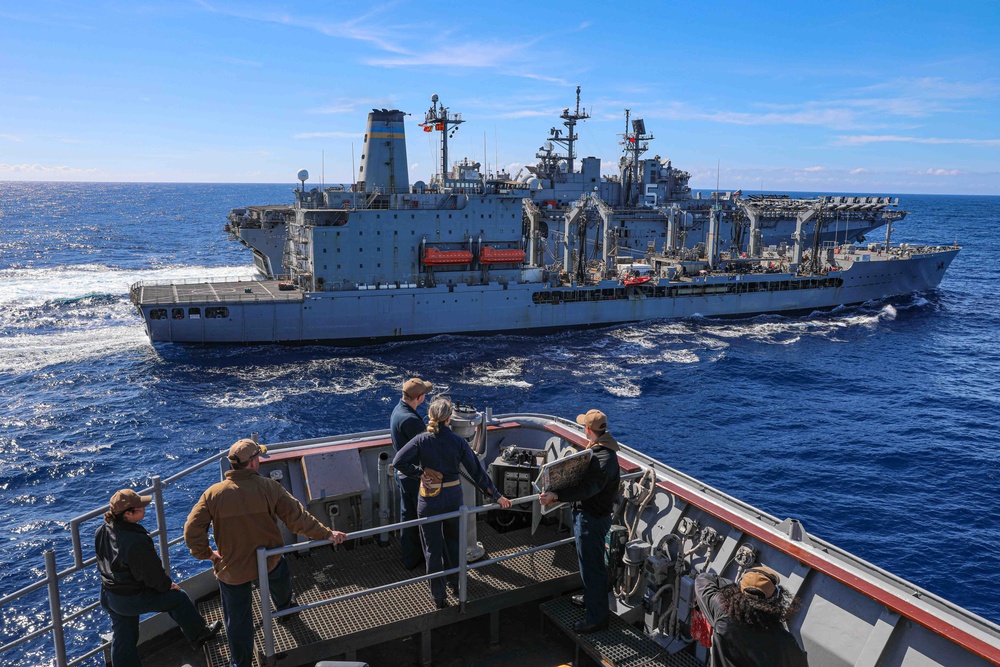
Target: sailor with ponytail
435,458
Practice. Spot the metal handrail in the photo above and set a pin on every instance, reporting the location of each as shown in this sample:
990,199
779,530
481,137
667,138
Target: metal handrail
53,576
264,589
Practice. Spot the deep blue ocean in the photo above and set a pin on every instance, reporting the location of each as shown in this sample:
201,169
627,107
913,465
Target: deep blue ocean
877,426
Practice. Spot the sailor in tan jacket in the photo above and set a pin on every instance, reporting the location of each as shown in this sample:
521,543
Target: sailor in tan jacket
243,510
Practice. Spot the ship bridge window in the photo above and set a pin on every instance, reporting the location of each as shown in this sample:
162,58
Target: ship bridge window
177,313
194,313
219,313
158,314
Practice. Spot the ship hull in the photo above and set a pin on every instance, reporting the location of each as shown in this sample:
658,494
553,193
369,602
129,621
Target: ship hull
377,315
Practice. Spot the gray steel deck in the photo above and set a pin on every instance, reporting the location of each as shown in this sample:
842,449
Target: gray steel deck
620,645
337,629
214,292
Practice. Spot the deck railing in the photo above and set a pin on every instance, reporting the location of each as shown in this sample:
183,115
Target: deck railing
462,570
53,576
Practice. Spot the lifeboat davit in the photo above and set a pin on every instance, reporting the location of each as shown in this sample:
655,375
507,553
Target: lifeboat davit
437,257
491,255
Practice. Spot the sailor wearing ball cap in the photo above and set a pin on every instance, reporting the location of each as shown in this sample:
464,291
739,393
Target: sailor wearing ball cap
748,620
241,511
595,497
404,425
133,580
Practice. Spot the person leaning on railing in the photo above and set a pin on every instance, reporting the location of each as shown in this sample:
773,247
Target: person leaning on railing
243,510
434,457
133,581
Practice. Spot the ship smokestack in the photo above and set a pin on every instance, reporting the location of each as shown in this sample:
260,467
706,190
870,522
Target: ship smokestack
383,162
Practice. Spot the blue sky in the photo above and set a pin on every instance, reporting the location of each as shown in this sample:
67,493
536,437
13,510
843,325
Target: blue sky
834,97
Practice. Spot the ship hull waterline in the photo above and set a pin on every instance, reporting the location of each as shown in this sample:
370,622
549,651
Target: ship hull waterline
361,317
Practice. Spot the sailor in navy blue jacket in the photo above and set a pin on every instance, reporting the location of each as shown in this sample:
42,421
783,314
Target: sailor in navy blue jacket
404,425
435,457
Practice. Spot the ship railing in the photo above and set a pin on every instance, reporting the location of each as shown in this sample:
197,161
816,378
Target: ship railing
58,620
462,514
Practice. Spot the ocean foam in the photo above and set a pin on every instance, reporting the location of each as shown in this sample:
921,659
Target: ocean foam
38,286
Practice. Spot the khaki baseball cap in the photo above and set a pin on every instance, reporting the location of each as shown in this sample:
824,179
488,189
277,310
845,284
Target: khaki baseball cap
127,499
595,420
245,449
415,388
760,581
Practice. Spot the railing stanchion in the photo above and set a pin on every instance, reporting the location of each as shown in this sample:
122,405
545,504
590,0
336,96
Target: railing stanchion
264,586
74,533
463,554
55,608
161,524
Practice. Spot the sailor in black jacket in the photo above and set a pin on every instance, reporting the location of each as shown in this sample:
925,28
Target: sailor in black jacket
133,581
748,620
595,498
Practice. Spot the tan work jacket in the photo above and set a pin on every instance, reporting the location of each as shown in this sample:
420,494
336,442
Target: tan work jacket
242,511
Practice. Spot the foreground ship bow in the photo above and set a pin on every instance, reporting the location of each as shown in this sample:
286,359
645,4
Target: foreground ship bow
470,254
358,601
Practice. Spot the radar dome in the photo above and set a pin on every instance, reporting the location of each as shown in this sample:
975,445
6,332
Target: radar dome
303,175
434,98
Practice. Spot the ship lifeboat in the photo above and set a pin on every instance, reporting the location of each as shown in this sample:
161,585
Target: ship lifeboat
639,280
438,257
491,255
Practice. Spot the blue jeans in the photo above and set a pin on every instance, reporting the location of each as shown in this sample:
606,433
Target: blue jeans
409,539
237,611
124,611
590,532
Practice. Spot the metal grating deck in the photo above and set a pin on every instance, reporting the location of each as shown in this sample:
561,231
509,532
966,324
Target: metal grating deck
620,645
368,620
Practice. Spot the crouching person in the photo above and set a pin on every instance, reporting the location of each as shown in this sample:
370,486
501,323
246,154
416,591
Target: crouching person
748,620
133,581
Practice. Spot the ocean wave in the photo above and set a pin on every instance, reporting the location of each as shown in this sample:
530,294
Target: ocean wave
30,353
31,286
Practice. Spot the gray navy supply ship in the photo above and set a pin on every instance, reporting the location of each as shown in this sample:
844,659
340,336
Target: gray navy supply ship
514,578
471,253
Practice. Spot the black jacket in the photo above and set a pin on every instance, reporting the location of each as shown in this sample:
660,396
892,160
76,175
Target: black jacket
735,644
127,560
597,491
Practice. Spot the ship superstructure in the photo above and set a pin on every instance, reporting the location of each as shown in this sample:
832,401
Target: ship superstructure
466,253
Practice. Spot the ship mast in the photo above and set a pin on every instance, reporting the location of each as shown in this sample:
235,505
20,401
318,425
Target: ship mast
570,119
438,118
635,144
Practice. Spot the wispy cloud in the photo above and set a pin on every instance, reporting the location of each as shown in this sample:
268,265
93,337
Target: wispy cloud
476,54
34,169
938,172
814,169
11,137
407,44
860,140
